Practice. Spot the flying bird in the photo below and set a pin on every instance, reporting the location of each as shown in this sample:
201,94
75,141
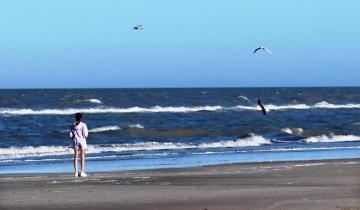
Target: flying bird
138,27
263,49
262,107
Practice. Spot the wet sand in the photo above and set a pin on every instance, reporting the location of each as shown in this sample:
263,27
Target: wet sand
330,184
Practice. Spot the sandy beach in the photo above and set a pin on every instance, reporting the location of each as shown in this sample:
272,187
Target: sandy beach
331,184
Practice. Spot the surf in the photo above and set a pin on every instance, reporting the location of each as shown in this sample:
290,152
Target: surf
174,109
253,140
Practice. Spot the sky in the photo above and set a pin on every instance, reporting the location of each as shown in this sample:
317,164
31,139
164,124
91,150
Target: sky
185,43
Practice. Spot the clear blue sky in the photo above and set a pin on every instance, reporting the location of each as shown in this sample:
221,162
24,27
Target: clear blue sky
185,43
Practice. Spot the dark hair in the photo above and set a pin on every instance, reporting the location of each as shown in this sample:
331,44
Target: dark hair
78,117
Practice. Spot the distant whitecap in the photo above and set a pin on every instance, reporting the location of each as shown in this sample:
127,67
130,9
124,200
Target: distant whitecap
297,131
136,126
243,97
94,100
91,100
104,129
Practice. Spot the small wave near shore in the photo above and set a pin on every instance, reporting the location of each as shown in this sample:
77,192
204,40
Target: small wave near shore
250,141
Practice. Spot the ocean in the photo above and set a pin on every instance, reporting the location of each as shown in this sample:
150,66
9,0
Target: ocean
133,129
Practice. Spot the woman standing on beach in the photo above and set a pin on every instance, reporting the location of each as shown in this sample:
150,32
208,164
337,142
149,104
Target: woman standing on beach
79,133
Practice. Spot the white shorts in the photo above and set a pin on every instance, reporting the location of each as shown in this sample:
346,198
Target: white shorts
79,145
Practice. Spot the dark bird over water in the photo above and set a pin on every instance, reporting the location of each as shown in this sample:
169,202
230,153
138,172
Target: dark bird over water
262,107
138,27
263,49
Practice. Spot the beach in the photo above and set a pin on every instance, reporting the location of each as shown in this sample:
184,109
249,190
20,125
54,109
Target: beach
316,184
180,105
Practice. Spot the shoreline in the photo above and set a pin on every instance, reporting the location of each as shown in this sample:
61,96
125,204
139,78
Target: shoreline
187,161
313,184
324,161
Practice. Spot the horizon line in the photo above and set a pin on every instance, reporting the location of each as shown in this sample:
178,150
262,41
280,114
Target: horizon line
205,87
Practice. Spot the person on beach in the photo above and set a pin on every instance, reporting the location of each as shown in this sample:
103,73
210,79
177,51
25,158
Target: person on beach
79,133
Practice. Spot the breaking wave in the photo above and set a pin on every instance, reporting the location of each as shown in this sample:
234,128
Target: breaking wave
297,131
250,141
269,107
320,105
243,98
331,138
18,152
107,110
104,129
136,126
92,100
113,128
253,140
167,153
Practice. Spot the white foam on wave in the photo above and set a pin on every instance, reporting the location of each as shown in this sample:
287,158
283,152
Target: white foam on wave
286,130
268,107
286,149
113,128
253,140
136,126
309,164
331,138
104,129
243,97
92,100
107,110
325,104
296,131
30,151
320,105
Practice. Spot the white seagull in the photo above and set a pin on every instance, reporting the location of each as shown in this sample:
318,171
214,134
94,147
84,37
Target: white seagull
262,48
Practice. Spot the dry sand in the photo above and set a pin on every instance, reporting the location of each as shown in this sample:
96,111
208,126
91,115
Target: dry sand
331,184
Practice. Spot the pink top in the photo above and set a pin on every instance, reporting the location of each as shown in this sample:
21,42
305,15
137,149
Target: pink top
79,133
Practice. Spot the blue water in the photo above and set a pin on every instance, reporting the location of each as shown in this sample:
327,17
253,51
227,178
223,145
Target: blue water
159,128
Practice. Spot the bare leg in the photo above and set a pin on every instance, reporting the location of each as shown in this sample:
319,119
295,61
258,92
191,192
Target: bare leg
82,161
76,155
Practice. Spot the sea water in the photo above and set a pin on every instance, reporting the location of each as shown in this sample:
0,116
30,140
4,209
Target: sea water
162,128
